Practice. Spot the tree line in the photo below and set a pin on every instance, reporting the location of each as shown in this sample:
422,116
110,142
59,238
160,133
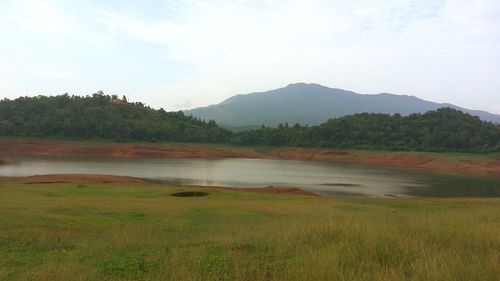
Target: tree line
107,117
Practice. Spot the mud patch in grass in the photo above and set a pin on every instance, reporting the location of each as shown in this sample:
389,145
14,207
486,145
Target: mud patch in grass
190,194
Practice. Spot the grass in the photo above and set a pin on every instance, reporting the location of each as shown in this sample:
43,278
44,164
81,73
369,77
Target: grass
451,156
140,232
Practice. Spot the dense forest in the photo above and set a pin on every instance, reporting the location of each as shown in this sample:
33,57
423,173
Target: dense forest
102,116
107,117
445,129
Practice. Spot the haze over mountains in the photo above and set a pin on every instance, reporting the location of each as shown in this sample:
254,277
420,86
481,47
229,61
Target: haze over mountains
313,104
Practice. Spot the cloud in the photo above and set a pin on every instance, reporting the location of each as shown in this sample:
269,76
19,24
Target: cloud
37,15
55,74
441,50
50,18
232,46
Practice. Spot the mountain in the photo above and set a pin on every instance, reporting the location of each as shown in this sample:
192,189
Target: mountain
313,104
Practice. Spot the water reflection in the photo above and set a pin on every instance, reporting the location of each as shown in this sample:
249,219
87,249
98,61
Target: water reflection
324,178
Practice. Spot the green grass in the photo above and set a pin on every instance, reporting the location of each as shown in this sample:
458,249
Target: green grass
140,232
457,156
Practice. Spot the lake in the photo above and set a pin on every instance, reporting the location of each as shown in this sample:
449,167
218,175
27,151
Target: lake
324,178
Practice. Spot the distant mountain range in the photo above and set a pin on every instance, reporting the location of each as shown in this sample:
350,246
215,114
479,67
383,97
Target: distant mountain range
313,104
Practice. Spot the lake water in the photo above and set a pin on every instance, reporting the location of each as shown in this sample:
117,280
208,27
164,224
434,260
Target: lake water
324,178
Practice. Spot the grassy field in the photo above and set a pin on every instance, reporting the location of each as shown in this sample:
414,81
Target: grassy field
140,232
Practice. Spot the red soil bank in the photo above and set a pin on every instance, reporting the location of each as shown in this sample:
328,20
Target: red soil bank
427,161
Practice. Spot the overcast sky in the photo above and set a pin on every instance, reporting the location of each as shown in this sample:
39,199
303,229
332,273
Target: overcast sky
184,54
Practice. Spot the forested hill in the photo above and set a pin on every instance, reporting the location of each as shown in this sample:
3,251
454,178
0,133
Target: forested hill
106,117
445,129
101,116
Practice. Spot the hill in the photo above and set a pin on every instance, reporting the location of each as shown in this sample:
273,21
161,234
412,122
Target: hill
445,129
313,104
102,117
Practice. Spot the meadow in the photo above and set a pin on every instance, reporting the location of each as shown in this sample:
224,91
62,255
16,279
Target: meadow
105,231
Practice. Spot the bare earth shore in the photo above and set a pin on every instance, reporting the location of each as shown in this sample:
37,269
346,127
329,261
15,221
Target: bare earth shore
439,162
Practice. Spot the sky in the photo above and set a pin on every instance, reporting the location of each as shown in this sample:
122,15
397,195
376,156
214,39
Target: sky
185,54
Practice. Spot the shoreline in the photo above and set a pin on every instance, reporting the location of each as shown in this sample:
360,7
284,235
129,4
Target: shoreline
430,161
110,179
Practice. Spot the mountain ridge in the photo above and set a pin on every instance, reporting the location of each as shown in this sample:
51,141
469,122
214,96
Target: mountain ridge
312,104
